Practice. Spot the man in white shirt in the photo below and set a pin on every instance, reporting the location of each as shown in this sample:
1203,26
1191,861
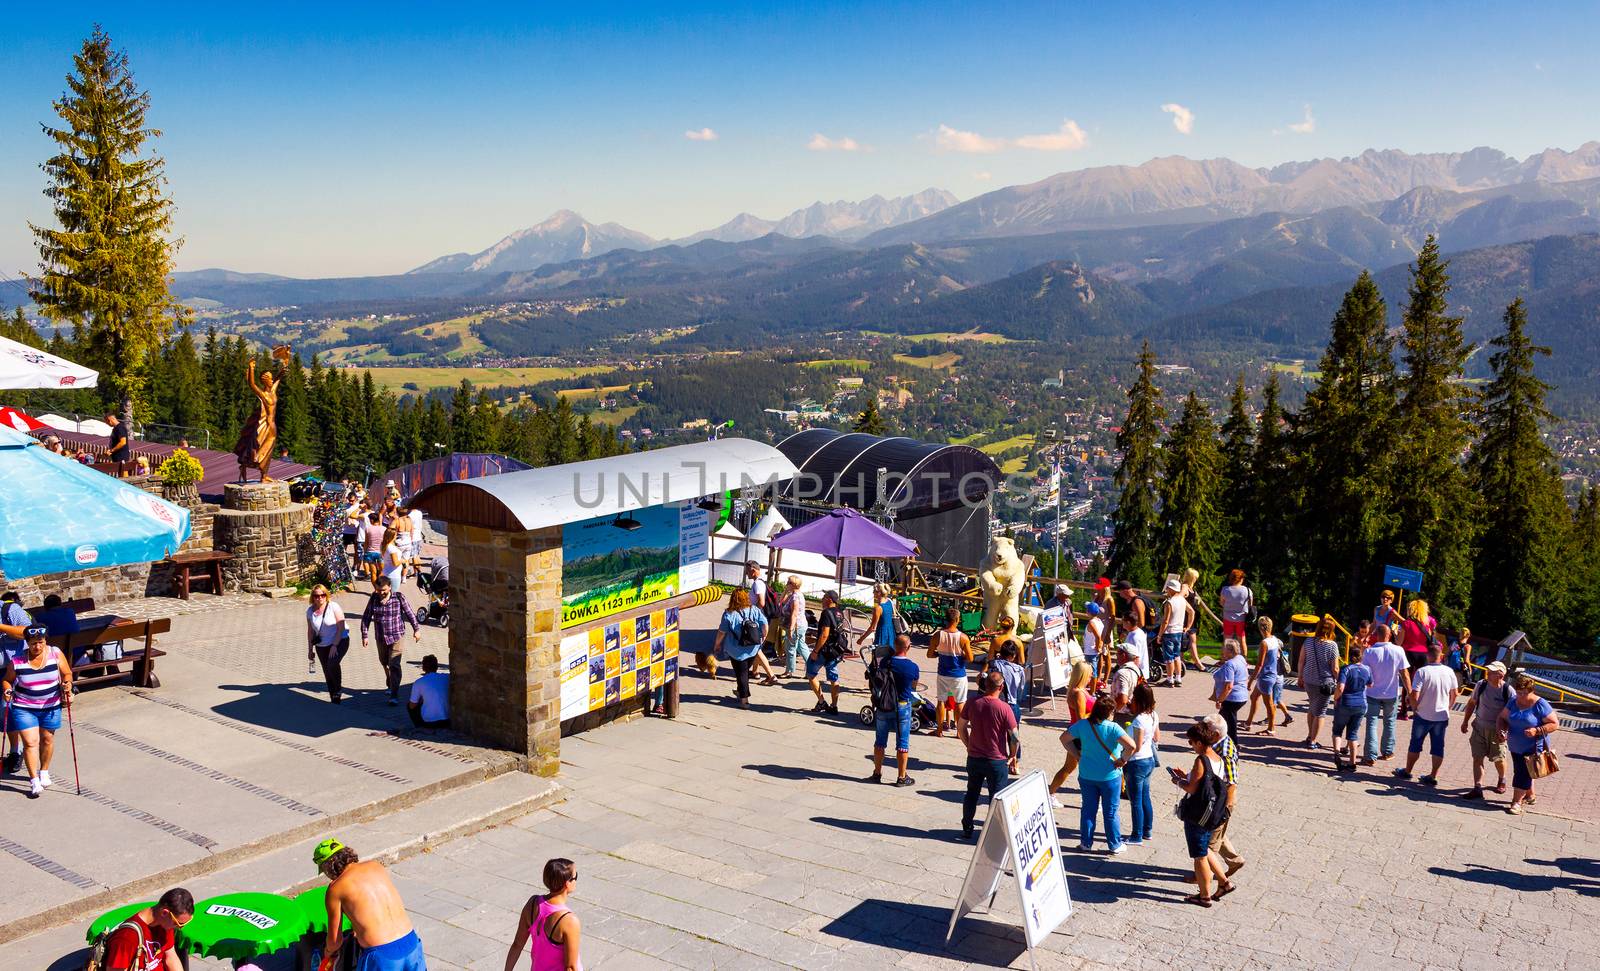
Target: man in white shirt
1433,691
1136,644
430,697
1390,675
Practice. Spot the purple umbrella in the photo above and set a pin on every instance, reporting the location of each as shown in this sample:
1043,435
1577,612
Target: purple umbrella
845,533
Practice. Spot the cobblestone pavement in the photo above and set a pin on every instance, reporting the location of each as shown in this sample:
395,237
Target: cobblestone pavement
734,839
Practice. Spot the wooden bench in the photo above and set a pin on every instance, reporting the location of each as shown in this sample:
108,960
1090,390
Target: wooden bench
143,658
209,564
82,605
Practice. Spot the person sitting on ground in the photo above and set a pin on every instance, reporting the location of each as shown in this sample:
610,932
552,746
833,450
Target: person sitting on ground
547,926
1481,723
430,696
363,893
1433,691
988,728
954,652
144,942
1527,721
906,674
827,650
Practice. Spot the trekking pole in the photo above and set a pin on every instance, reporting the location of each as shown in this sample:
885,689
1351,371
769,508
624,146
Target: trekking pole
72,737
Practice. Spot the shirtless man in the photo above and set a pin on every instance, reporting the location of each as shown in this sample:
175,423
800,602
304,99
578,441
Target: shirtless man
363,893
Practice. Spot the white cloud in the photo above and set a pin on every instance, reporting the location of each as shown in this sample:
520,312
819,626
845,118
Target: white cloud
822,143
700,135
1182,118
948,139
1068,139
983,176
1306,126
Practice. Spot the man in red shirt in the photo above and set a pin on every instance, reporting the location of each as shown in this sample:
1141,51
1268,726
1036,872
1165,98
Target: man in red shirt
989,730
143,942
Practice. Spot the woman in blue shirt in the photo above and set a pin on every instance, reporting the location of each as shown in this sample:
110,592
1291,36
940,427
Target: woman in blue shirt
1231,685
1106,748
881,629
738,614
1527,722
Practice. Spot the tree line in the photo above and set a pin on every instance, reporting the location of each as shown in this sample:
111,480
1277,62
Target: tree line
1393,459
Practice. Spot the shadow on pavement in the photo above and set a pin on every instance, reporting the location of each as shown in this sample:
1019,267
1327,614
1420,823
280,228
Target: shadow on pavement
1097,879
920,929
889,829
798,773
281,708
1529,882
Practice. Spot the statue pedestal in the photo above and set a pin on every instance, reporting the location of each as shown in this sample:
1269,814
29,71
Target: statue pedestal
263,528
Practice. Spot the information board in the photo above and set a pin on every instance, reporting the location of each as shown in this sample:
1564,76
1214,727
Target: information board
1402,579
1019,838
614,564
605,665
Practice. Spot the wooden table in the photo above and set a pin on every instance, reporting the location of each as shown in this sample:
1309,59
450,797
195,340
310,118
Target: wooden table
94,631
197,566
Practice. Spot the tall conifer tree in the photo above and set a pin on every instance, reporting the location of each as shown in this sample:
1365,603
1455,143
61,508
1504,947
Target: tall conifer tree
1434,501
1517,578
1191,485
1135,521
1343,457
1273,506
1234,500
1576,624
104,266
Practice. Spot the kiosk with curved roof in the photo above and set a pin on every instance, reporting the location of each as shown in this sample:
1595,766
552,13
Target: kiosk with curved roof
936,493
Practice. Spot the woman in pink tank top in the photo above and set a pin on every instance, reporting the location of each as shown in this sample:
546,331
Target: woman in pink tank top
548,926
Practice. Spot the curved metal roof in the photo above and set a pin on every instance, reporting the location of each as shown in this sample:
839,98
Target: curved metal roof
536,498
850,469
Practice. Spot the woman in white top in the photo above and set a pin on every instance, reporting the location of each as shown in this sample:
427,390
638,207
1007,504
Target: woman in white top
1146,734
394,559
327,638
793,607
1175,621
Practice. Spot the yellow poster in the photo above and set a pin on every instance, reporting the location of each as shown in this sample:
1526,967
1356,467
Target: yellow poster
658,674
630,685
613,664
597,695
627,633
672,644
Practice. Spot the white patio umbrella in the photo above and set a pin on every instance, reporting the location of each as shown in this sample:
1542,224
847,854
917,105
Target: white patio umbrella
27,368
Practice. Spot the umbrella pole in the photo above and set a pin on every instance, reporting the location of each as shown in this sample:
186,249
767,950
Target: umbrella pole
72,737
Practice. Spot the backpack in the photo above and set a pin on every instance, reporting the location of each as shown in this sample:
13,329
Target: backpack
97,950
770,608
1207,806
885,688
1152,612
832,649
750,629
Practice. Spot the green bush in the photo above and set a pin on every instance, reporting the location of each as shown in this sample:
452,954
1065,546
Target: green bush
181,468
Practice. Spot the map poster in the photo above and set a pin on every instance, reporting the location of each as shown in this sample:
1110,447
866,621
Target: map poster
618,661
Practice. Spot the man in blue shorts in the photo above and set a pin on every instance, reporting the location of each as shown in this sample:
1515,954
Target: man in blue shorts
363,893
906,674
826,653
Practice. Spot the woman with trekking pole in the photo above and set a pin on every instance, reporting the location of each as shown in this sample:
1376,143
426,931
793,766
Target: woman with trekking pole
37,685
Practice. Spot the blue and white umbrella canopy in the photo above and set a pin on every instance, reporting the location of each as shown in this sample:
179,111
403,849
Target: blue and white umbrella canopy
57,515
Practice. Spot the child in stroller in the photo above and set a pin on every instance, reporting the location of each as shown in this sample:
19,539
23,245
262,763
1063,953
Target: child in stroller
436,584
923,713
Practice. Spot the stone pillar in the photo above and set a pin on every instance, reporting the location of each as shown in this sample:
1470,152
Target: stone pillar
262,528
505,640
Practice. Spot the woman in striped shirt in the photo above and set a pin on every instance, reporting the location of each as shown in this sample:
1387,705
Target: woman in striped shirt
37,684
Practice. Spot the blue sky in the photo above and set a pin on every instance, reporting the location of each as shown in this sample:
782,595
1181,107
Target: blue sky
317,141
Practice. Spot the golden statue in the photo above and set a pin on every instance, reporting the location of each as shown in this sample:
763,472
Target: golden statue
260,433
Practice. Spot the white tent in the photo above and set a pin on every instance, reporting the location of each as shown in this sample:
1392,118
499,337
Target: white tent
727,543
88,426
25,368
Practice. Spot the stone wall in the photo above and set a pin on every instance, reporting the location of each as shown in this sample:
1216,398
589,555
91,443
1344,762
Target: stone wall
108,584
505,640
264,530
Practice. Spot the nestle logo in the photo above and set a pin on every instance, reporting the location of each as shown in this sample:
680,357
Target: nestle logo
86,554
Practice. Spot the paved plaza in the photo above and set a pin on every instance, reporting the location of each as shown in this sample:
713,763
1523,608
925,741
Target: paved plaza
748,839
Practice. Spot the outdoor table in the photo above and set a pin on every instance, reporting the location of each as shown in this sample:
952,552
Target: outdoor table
197,566
112,918
308,953
242,925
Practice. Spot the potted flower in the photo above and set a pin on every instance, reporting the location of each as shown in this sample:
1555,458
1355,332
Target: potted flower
180,476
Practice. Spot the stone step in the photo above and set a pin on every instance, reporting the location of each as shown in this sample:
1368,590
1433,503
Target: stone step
56,940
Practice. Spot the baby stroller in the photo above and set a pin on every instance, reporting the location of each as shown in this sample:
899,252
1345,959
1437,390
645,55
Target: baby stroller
923,714
436,585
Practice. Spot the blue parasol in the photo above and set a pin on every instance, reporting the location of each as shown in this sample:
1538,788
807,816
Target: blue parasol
57,515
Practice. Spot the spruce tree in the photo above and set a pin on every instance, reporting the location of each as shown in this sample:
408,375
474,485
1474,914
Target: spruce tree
181,397
1134,523
1191,486
1274,504
1234,499
1434,503
1518,578
1344,453
870,421
1575,626
17,328
104,267
294,412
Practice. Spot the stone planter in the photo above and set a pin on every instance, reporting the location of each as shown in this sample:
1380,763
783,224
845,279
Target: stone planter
182,493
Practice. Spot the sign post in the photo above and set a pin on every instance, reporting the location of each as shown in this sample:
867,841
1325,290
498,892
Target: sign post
1402,578
1019,837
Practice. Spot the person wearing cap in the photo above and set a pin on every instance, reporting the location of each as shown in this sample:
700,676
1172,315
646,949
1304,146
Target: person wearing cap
1125,676
827,650
1064,601
362,892
1132,603
1095,634
1177,616
1481,723
13,622
37,684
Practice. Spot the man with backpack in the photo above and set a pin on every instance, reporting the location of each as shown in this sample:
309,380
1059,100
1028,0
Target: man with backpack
763,599
1481,721
144,941
826,653
893,682
1125,677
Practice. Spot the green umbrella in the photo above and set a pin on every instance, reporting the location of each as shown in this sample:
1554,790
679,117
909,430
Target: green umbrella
314,904
242,925
112,918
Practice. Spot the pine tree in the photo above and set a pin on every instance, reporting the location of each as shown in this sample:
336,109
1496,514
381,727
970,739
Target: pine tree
294,412
17,328
1434,501
181,398
1517,579
436,429
1344,458
870,421
1575,627
1191,483
1273,507
1133,554
105,268
1233,502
